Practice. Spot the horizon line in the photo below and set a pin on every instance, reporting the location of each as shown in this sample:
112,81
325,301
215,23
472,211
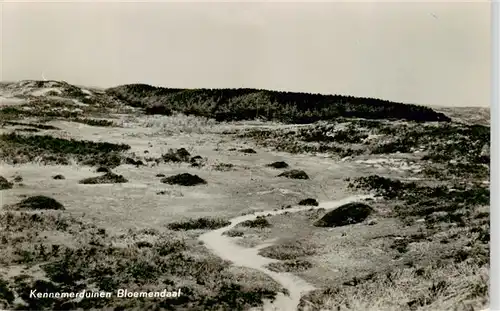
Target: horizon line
242,87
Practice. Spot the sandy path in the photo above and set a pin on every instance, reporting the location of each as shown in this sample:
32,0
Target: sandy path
224,247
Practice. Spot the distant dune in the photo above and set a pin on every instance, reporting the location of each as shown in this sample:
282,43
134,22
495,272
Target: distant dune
141,188
471,115
288,107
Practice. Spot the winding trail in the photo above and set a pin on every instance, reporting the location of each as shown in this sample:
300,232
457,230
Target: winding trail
224,247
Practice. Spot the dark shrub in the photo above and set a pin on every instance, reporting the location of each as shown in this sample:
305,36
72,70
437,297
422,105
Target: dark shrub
64,146
143,244
170,157
259,222
234,233
184,179
393,147
5,293
110,160
223,167
196,158
158,109
200,223
296,265
39,202
179,155
51,150
279,164
248,150
347,214
34,125
103,169
58,176
108,178
309,201
130,161
197,161
183,154
294,174
388,188
5,184
94,122
27,129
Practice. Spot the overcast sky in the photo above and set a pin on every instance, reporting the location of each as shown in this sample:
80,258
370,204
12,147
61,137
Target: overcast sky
424,53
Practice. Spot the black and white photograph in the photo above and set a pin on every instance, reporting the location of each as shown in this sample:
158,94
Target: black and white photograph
245,156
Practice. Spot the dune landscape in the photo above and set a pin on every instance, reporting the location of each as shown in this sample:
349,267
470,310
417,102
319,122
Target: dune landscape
240,199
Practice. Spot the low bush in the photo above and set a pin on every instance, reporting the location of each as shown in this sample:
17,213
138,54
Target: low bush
309,201
108,178
348,214
34,125
292,266
248,150
223,167
179,155
103,169
289,250
279,164
16,148
94,122
294,174
38,202
184,179
5,184
259,222
199,223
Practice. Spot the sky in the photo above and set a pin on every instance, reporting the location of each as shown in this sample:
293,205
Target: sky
413,52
